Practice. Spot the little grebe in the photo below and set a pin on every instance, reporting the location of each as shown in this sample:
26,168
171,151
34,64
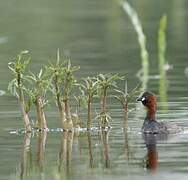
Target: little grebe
150,124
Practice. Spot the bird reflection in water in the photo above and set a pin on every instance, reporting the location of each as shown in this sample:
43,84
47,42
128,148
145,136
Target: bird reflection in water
151,159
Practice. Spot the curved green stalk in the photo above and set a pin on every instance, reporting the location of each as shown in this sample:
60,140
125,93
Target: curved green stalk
141,40
162,60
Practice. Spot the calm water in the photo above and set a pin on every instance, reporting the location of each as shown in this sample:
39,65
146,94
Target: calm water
98,36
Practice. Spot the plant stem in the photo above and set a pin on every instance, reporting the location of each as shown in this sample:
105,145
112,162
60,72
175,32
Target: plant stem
44,122
104,100
39,118
66,98
25,117
141,41
26,120
68,124
126,117
40,114
103,109
67,110
58,99
89,113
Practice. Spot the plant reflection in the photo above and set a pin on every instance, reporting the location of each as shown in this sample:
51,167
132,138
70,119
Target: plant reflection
151,159
163,88
126,135
26,154
26,157
90,150
65,154
104,138
41,144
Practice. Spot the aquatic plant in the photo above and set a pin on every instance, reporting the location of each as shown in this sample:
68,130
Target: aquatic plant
162,59
56,72
69,82
141,40
89,90
17,85
80,103
105,82
125,98
39,86
80,100
62,82
59,79
162,41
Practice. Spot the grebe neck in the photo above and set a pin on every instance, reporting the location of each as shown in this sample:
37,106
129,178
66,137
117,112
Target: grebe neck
150,114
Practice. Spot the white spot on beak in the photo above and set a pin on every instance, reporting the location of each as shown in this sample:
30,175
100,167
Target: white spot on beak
143,99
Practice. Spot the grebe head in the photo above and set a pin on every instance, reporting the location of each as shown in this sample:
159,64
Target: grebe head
149,100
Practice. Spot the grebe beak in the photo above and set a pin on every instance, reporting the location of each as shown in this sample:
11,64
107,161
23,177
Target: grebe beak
141,99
